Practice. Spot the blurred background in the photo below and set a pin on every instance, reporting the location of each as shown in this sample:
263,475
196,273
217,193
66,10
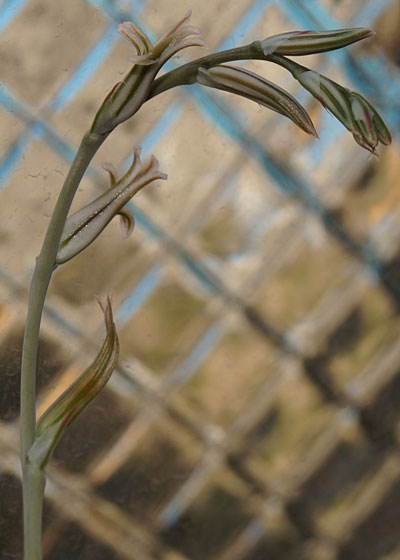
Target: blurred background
255,410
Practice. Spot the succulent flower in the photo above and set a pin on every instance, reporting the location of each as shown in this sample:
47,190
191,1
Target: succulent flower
254,87
82,227
298,43
62,412
127,96
349,107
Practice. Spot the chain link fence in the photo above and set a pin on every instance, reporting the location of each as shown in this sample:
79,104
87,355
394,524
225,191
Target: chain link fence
255,410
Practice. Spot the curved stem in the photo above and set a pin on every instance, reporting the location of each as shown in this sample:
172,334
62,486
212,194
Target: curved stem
186,74
40,282
286,63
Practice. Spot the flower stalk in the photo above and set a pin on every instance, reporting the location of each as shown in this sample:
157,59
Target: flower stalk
40,281
33,477
297,43
65,238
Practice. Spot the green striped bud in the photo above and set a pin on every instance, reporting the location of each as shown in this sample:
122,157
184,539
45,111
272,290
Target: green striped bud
349,107
247,84
298,43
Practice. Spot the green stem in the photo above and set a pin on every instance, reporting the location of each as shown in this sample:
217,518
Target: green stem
41,277
33,492
186,74
293,67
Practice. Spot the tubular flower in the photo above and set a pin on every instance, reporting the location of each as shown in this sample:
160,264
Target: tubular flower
297,43
127,96
62,412
254,87
349,107
82,227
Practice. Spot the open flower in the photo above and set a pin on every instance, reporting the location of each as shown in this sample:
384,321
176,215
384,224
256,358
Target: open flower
74,400
258,89
82,227
127,96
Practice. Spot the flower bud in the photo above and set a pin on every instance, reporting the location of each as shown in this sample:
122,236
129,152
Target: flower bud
349,107
297,43
82,227
368,122
254,87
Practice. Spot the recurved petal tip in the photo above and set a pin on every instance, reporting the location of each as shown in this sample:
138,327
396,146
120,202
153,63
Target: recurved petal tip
105,305
136,36
110,168
126,222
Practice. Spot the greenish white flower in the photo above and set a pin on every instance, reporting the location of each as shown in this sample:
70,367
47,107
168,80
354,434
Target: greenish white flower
82,227
127,96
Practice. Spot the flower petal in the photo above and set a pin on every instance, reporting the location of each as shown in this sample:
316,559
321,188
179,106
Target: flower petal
382,131
363,118
129,95
110,168
136,36
333,96
126,221
173,40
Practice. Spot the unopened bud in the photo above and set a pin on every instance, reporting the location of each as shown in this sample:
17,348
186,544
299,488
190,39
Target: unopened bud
297,43
349,107
247,84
